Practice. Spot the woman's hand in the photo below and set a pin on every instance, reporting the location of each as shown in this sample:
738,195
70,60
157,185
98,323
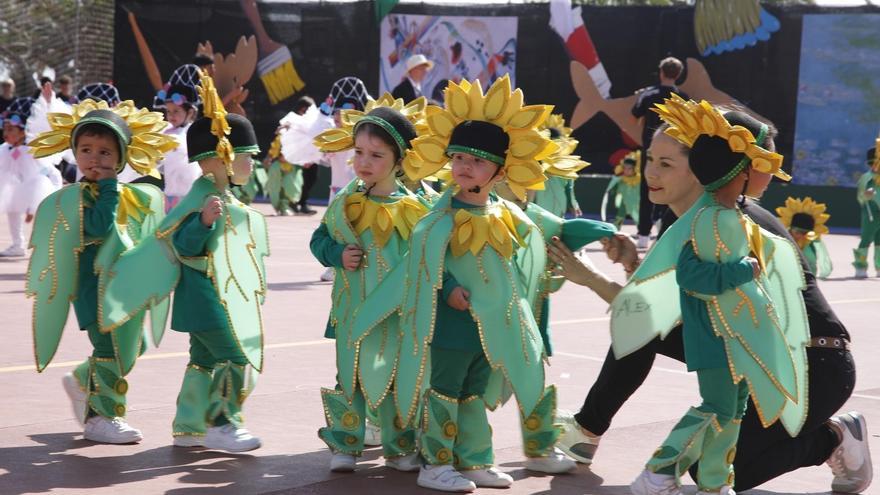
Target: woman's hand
621,249
567,264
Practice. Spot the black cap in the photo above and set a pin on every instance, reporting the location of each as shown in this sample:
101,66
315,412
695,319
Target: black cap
392,122
480,138
201,144
711,159
803,221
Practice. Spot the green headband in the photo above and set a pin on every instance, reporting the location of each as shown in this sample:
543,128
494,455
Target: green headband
485,155
252,149
402,144
719,183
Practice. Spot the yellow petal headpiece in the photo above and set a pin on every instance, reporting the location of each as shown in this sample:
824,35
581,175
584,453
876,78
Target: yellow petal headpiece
501,106
689,120
561,163
636,178
807,206
142,152
876,165
212,107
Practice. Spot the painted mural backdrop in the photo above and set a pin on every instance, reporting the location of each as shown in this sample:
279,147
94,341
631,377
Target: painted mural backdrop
838,106
460,47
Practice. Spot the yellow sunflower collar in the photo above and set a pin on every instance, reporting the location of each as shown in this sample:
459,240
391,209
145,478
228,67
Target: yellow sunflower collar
494,226
382,218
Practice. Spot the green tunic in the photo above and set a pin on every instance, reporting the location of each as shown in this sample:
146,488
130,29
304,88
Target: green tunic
99,218
196,307
283,184
558,196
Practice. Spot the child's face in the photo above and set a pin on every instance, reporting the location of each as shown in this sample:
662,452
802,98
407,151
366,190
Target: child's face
758,183
373,158
629,170
12,134
799,236
94,153
471,171
242,167
667,172
175,114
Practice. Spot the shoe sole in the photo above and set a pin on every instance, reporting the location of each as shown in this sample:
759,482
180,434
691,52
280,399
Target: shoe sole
76,396
188,442
232,450
559,470
444,488
100,439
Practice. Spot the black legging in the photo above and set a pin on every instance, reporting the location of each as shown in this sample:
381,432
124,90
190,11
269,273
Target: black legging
310,176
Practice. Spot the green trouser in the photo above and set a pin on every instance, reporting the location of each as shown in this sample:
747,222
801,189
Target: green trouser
346,422
706,434
870,234
215,384
539,429
455,428
100,377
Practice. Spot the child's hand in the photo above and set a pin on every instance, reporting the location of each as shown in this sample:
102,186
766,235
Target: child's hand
28,218
756,267
351,257
211,210
102,173
869,193
459,299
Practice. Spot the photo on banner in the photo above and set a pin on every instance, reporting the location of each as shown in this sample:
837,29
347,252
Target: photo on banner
838,98
470,48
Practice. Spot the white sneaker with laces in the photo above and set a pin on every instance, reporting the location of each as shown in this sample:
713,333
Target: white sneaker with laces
328,275
231,439
573,441
189,441
342,463
851,460
444,478
12,252
77,397
372,435
489,478
725,490
643,242
107,430
650,483
555,463
407,463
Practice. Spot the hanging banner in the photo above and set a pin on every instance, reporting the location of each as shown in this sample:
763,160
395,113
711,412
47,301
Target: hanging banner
481,48
838,104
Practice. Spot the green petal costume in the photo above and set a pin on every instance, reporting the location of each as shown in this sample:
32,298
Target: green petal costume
870,220
367,363
818,258
255,186
145,276
626,200
283,185
557,197
58,240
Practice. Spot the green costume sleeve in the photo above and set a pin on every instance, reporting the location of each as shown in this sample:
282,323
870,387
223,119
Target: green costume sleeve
449,284
823,266
578,232
572,197
609,190
710,278
192,236
98,219
325,249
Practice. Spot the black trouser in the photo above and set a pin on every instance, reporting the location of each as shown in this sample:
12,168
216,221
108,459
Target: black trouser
310,176
646,207
762,454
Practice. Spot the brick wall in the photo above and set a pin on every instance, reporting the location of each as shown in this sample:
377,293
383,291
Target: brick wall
73,40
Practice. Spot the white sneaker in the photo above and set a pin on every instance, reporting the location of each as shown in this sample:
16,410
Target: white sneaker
851,460
725,490
573,441
860,272
444,478
489,478
231,439
342,463
643,242
555,463
649,483
106,430
77,397
12,252
328,275
189,441
372,435
407,463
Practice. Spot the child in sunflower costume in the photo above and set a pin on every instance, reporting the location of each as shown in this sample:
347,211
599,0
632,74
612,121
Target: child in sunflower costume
625,188
209,251
284,181
363,235
78,232
745,329
869,202
558,195
805,219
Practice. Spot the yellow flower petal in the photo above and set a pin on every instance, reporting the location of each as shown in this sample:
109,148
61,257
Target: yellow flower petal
530,116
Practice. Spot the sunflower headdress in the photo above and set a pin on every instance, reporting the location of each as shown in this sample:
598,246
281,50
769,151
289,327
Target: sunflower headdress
805,215
500,107
342,137
688,120
634,157
875,166
138,130
561,163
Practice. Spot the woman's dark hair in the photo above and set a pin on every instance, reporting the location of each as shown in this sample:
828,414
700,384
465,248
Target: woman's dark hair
97,130
302,104
711,157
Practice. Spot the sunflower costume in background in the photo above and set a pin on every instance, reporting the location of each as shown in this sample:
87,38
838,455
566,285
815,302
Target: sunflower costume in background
79,231
218,278
806,219
256,185
625,188
561,167
868,196
284,180
743,335
381,226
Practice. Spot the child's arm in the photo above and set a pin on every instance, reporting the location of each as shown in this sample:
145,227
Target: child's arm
327,251
455,296
98,219
190,238
578,232
703,277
